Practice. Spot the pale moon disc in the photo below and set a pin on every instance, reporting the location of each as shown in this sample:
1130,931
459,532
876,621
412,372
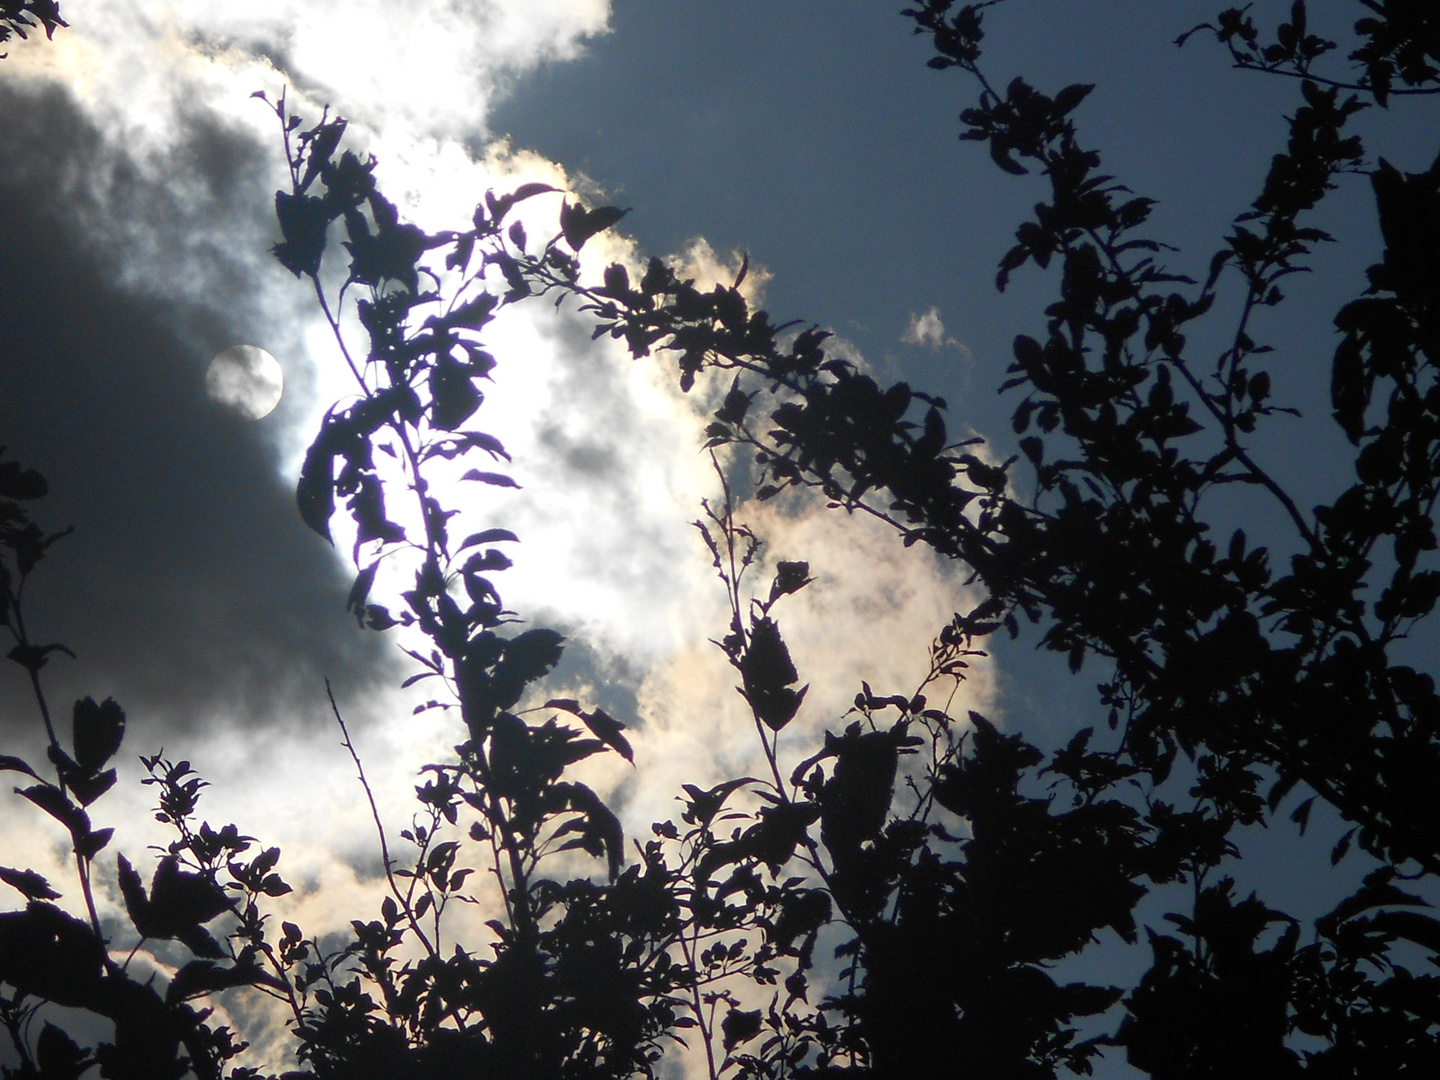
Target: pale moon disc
247,379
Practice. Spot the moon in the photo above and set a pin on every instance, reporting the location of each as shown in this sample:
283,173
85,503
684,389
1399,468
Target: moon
245,379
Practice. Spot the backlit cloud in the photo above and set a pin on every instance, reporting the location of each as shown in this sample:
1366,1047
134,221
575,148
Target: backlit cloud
139,178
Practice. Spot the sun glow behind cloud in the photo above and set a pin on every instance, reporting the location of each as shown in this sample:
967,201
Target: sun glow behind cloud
606,449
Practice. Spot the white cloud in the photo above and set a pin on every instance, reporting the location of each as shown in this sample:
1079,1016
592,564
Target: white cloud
927,330
698,260
433,66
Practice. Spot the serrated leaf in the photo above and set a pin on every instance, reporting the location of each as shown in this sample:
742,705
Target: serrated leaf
608,730
32,885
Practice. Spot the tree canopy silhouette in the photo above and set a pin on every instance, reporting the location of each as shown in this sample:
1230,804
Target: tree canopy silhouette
903,900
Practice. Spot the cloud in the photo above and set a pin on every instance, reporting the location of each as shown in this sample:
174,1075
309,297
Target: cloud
187,589
699,261
927,330
870,615
140,176
137,188
434,66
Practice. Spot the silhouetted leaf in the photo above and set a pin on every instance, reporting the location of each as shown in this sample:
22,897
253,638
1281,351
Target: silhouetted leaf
488,536
790,577
768,673
58,1055
315,492
50,954
98,731
739,1027
31,884
579,224
453,394
494,479
201,977
15,764
607,730
20,483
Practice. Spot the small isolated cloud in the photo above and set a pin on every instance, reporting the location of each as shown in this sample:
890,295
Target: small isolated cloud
927,330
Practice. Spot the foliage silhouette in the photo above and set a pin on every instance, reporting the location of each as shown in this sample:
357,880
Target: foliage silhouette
19,16
899,902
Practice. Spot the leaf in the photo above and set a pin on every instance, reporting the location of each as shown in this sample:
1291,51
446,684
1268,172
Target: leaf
58,1055
579,224
1341,848
704,805
304,221
532,654
137,904
471,315
736,405
488,536
602,831
367,507
50,954
768,672
34,657
201,977
740,1027
500,204
1000,151
780,830
1378,890
453,396
493,559
15,764
18,483
360,591
92,842
315,492
1280,789
178,904
97,732
58,805
31,884
1412,926
1301,814
607,729
790,577
321,149
89,788
494,479
198,940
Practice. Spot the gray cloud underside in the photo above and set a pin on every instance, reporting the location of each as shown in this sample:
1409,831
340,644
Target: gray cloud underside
190,588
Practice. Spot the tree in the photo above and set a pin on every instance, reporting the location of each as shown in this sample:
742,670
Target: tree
896,902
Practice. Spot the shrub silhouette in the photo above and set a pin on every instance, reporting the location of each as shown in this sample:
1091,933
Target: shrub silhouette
948,890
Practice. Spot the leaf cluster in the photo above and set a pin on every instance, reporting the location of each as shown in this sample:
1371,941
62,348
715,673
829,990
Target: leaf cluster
19,16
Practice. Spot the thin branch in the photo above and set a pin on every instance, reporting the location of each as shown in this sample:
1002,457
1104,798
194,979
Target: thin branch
375,814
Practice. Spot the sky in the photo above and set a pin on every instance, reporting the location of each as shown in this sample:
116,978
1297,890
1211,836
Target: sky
136,185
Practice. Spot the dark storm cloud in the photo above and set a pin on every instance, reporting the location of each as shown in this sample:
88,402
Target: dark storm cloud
190,590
